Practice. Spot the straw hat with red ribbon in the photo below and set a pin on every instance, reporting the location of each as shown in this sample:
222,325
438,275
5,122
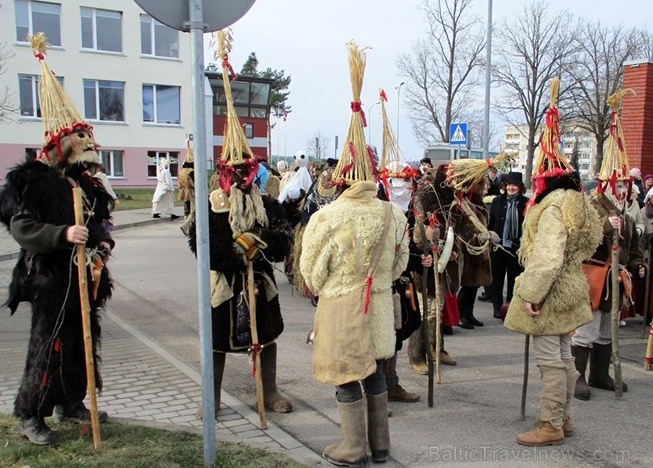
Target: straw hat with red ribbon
235,149
463,175
550,161
67,137
392,163
614,166
356,161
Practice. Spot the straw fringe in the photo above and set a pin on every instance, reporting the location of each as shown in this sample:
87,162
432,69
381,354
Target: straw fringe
465,174
355,160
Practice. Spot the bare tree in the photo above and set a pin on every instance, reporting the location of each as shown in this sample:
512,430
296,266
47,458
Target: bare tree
532,48
317,145
442,69
597,73
6,107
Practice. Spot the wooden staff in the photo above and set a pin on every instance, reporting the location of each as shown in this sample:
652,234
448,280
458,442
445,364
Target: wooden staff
524,386
86,320
618,382
647,287
648,360
255,343
425,310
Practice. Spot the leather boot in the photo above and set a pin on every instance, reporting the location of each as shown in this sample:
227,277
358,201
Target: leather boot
552,403
218,372
76,414
37,431
352,450
398,393
600,356
581,355
541,435
378,432
572,378
446,359
272,398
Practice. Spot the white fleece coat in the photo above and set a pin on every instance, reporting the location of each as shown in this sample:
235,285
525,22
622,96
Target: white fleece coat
338,243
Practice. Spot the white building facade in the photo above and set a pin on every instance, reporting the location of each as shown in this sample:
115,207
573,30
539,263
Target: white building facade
516,145
128,75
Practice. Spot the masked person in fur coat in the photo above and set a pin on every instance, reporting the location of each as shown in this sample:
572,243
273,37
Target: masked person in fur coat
593,342
561,230
36,206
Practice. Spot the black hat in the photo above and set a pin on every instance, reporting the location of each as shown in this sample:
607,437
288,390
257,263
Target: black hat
514,178
331,162
426,161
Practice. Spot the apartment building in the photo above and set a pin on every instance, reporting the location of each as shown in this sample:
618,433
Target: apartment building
516,142
127,74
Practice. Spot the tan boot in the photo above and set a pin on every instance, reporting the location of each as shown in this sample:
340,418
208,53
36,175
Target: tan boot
218,372
352,450
420,368
581,355
542,434
446,359
378,432
272,398
572,377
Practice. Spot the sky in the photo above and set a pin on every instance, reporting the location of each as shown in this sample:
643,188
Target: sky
306,39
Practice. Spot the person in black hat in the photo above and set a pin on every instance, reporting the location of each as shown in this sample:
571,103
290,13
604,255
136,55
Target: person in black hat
506,219
424,164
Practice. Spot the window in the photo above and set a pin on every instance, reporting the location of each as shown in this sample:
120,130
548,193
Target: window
104,100
161,104
153,158
249,130
34,17
28,86
157,39
101,29
113,162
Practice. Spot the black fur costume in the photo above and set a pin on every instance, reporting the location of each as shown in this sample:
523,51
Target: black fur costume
224,258
39,202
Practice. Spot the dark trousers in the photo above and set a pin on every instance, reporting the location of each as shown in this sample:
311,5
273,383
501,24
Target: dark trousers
373,384
466,299
503,264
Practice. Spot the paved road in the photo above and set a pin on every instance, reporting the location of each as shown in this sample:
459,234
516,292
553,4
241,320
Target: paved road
475,417
476,408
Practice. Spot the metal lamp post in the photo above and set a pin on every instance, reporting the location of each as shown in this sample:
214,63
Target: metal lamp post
369,121
398,88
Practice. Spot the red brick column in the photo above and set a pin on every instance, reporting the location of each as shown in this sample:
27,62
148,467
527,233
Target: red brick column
637,114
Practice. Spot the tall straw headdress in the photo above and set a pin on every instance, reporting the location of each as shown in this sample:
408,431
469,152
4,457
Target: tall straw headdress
550,161
356,161
615,165
58,113
464,175
392,163
234,145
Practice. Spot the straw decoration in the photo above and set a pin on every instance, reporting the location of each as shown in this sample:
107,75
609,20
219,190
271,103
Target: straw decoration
615,165
356,159
184,181
391,152
465,174
235,142
57,110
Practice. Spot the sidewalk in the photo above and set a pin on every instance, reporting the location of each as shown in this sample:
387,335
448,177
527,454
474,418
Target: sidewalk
143,382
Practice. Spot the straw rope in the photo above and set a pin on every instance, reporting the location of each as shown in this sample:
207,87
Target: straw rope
355,162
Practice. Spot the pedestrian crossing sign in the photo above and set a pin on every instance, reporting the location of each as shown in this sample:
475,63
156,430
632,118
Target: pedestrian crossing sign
458,133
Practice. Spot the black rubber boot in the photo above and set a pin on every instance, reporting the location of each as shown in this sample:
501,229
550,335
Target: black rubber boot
37,431
600,356
581,355
77,414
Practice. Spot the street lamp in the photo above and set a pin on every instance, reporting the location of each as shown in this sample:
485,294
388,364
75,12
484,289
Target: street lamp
398,88
369,121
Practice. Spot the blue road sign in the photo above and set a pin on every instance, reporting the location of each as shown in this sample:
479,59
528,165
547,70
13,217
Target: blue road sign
458,133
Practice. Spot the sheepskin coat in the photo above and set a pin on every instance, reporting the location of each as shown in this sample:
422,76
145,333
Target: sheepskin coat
338,244
559,233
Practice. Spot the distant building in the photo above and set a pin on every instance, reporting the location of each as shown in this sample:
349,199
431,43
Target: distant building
516,143
128,75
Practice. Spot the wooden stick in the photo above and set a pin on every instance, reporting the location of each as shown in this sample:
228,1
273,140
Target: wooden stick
86,320
618,382
648,360
254,332
425,310
647,287
524,386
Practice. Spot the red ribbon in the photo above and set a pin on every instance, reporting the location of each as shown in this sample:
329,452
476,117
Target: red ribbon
383,96
368,293
356,107
255,349
227,65
39,56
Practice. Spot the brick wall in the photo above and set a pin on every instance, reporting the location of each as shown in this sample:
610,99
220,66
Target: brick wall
637,114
